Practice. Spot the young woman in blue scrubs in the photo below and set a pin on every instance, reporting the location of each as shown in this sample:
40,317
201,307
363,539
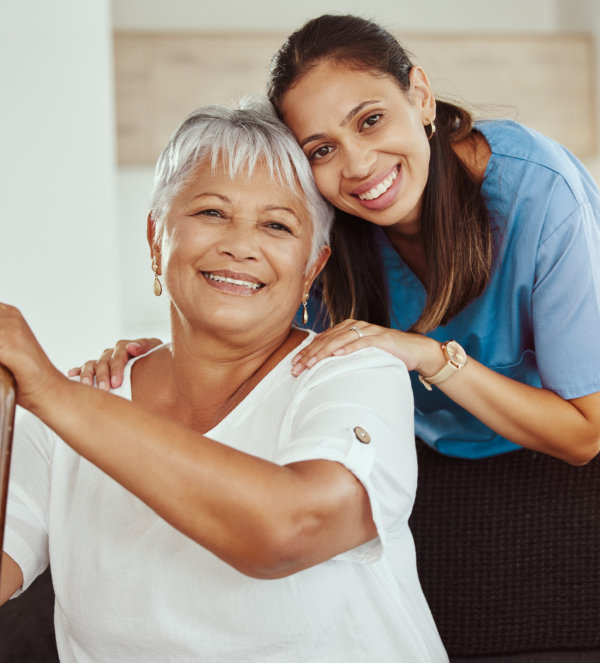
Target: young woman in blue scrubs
468,250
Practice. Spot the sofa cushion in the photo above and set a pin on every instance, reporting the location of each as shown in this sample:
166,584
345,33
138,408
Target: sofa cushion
508,552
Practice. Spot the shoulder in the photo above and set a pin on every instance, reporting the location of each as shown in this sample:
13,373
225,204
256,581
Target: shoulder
371,363
368,359
516,140
369,376
523,150
533,179
124,391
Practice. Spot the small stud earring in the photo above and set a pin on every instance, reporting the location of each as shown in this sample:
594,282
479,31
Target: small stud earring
157,284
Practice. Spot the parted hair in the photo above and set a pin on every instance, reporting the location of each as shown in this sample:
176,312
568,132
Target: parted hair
241,138
455,222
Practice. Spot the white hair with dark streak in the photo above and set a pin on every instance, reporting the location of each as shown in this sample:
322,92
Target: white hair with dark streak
240,137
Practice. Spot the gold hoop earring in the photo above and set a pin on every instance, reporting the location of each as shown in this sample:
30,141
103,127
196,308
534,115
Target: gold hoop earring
431,126
157,284
305,310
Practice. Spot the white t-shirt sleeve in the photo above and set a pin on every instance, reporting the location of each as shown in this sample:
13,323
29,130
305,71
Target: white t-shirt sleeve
26,533
358,410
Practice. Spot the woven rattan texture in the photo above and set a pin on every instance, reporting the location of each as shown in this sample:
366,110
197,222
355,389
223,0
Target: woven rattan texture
508,551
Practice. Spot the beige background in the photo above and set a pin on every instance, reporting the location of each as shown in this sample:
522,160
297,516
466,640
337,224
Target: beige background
162,77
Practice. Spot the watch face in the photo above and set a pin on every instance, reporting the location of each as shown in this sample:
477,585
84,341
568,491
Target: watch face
456,353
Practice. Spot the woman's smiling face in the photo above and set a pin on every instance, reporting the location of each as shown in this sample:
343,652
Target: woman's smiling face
365,139
234,253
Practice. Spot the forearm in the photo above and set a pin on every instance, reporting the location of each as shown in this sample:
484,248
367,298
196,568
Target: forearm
534,418
244,509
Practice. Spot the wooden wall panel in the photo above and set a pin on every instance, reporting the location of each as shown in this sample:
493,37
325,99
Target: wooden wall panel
546,81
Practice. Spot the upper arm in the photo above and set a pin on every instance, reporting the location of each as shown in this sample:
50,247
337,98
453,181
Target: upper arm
333,516
11,579
351,448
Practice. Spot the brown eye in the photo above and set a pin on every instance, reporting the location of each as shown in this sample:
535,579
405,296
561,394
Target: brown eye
320,152
280,227
371,121
209,212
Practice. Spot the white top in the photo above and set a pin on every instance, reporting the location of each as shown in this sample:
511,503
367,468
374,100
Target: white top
129,587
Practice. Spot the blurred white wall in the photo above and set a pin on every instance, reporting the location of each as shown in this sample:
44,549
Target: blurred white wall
58,259
278,15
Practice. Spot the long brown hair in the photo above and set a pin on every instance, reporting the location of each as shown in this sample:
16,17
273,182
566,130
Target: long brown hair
455,223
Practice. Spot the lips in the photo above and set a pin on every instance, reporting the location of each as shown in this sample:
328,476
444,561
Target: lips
233,281
380,188
376,186
380,192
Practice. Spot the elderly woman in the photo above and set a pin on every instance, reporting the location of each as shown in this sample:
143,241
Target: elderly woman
221,509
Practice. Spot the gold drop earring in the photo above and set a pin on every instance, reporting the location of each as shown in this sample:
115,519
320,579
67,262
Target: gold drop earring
305,309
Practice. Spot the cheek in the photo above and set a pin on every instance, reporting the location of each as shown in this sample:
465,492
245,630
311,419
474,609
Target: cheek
290,265
327,178
173,255
424,156
189,237
181,251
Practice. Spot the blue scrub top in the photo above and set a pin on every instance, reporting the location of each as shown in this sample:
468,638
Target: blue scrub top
538,320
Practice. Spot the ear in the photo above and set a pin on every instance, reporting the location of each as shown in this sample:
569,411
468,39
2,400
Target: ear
316,268
421,94
153,241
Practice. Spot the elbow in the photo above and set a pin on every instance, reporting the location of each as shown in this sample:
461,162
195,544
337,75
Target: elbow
584,451
277,552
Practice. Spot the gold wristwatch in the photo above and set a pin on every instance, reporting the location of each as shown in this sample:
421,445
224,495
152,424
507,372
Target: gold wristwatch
456,358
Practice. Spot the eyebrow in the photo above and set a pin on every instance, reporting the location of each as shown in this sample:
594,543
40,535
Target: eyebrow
208,193
349,117
281,208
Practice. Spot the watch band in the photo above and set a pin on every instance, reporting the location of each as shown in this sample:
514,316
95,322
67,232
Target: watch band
448,370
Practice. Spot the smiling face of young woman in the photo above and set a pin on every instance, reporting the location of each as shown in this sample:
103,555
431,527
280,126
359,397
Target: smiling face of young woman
365,139
234,253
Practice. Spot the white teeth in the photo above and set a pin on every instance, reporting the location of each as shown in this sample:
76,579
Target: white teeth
381,188
226,279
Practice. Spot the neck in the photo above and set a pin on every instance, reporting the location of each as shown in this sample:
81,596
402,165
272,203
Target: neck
411,249
475,154
201,378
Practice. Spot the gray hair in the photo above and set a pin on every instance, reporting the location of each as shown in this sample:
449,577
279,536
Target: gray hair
241,137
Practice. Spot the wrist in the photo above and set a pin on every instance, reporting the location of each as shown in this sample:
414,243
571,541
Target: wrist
455,358
433,358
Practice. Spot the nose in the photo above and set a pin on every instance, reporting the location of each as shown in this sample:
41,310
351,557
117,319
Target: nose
239,242
358,161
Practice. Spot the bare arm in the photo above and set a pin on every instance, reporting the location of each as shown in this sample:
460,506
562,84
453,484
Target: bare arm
534,418
12,578
264,519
